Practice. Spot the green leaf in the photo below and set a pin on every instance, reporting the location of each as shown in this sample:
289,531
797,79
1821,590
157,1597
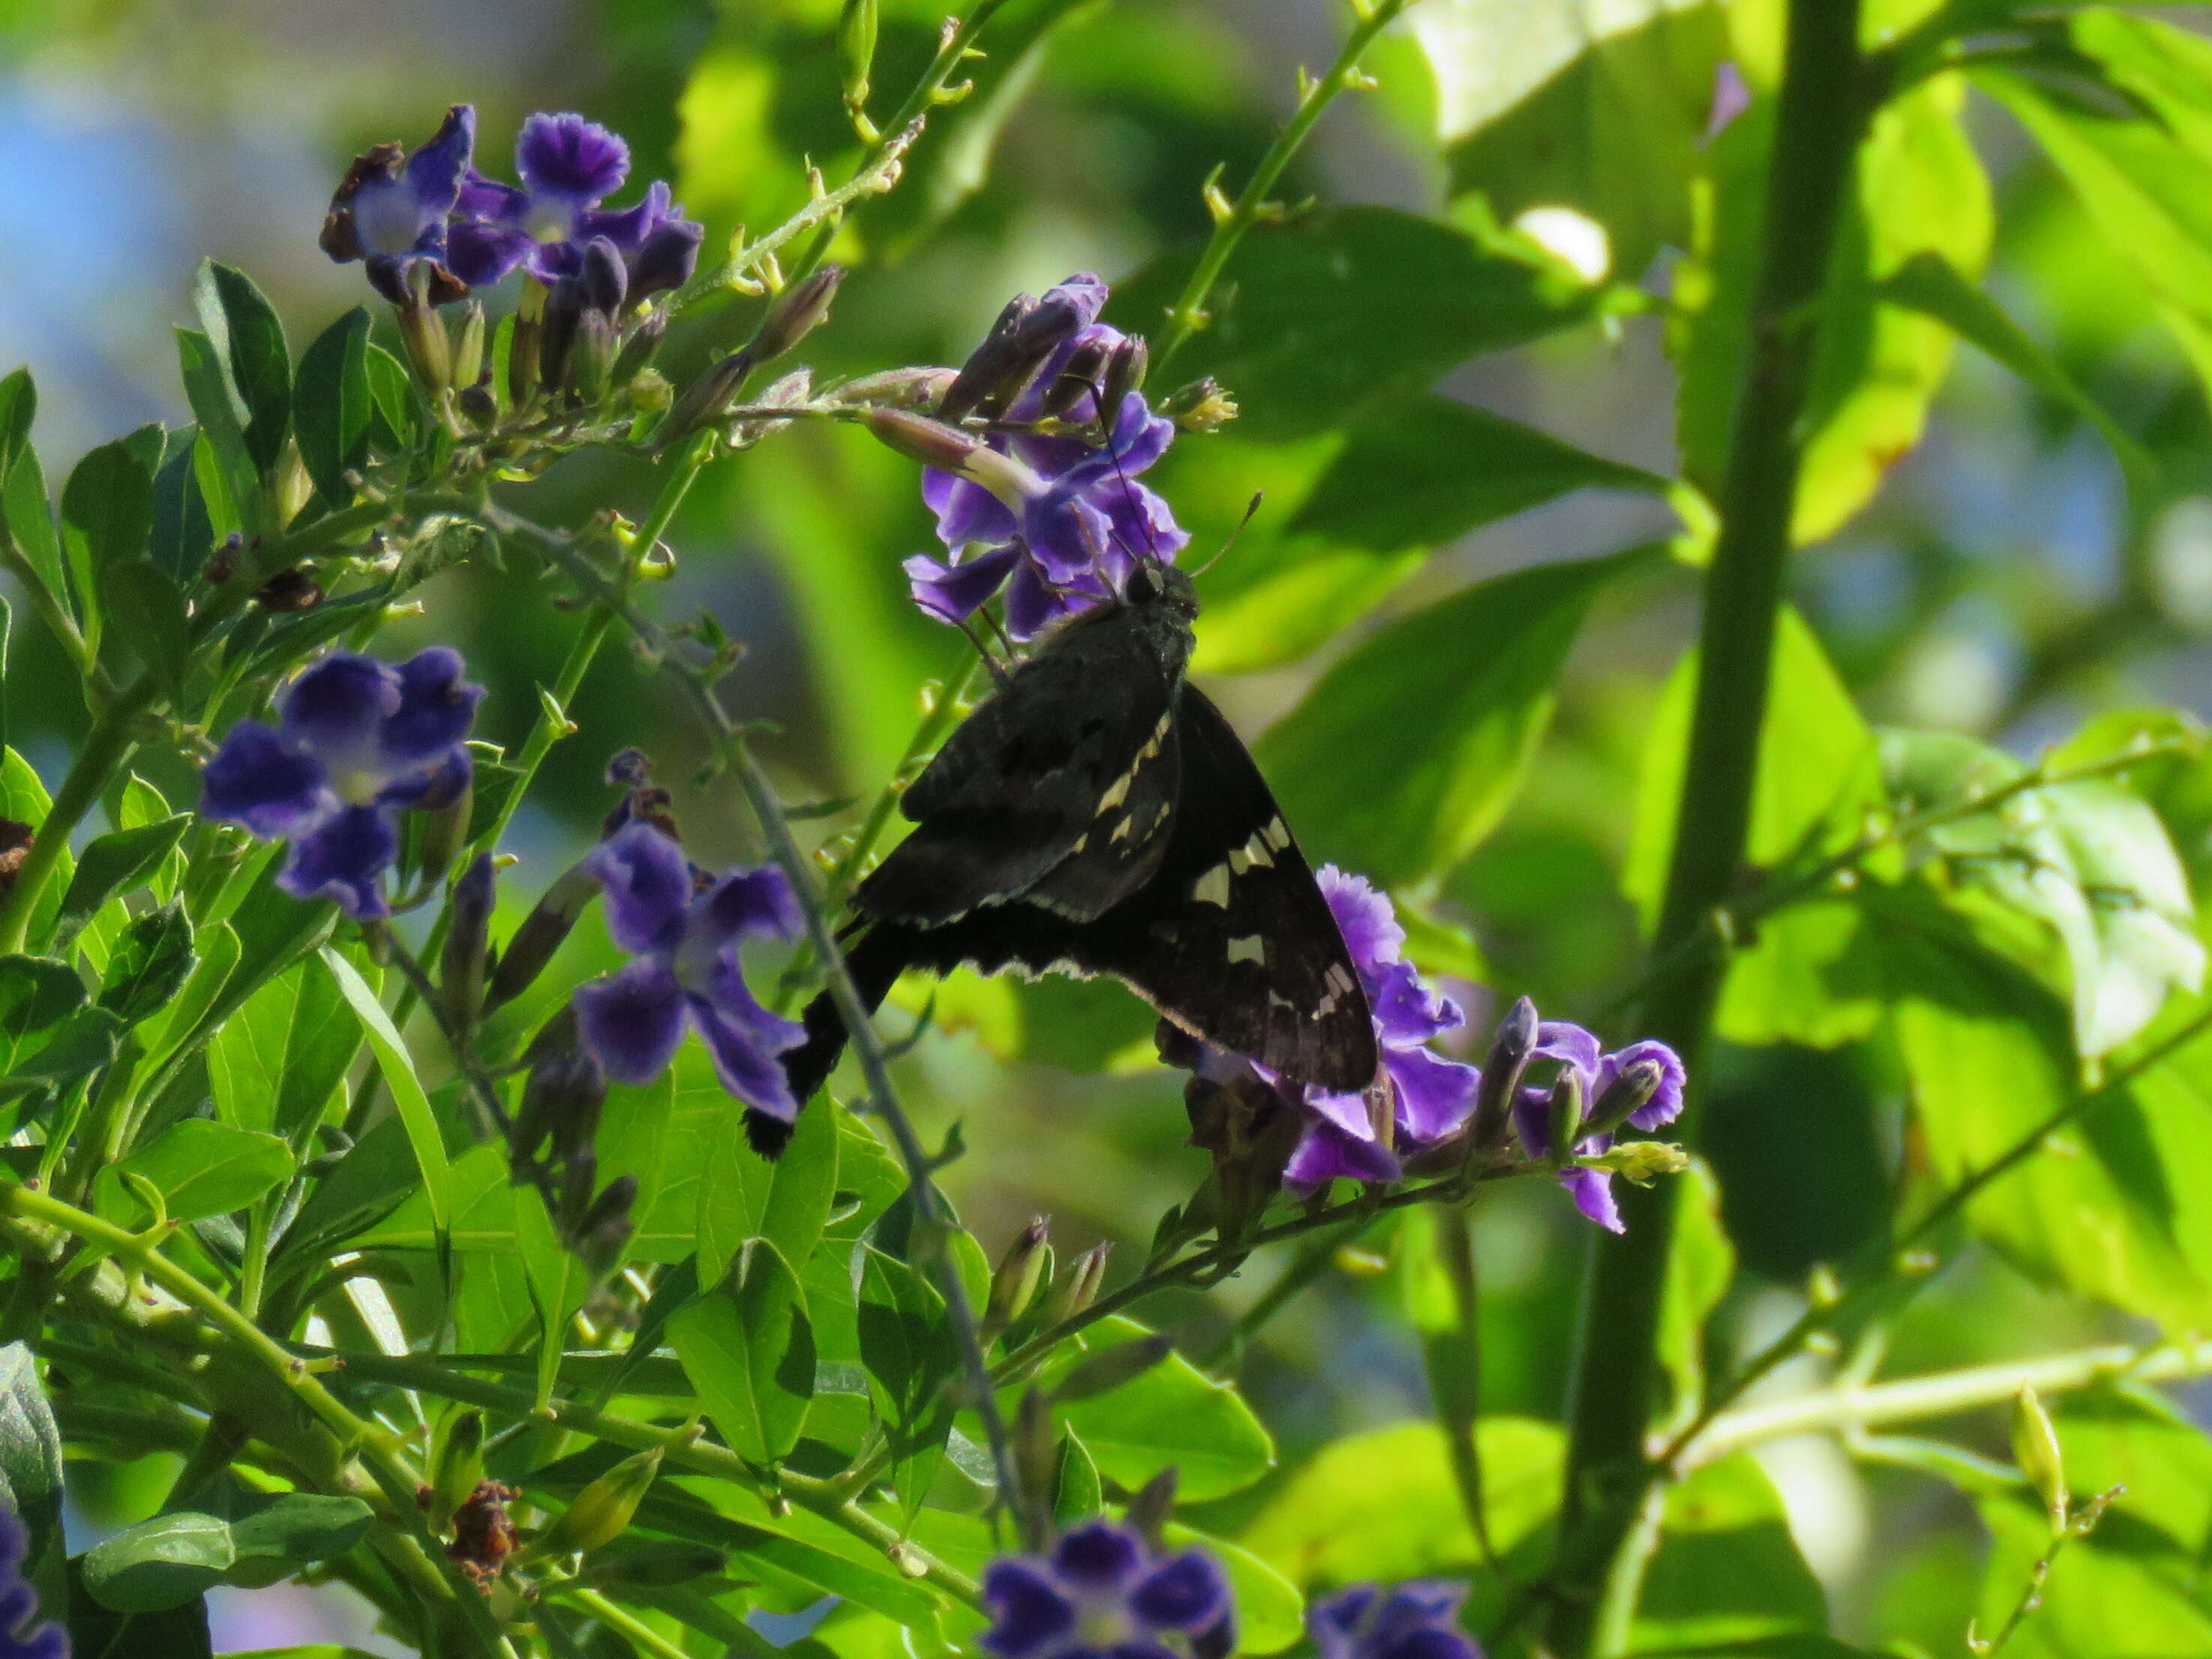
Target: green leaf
158,1563
1317,318
28,517
803,1188
114,864
749,1348
31,1473
1172,1415
1289,615
1919,188
276,1535
1929,283
908,1346
1382,1504
1076,1492
1474,675
176,1632
36,994
1700,1263
275,1063
1600,110
333,405
203,1168
2116,1205
398,1066
1727,1569
151,962
771,1549
201,991
19,407
1425,469
2145,181
81,1045
391,387
24,798
2087,862
1807,977
145,612
244,328
183,533
107,517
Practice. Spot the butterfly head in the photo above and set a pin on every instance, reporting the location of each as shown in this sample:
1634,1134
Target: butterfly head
1156,584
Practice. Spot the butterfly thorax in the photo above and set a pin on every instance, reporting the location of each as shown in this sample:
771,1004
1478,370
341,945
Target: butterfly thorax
1153,612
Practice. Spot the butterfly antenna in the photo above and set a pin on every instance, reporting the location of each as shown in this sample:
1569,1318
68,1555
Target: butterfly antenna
1251,512
1151,551
998,674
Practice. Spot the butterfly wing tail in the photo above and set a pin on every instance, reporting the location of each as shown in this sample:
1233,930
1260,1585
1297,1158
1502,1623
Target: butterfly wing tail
875,960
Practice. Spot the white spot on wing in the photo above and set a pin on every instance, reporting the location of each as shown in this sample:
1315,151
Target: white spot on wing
1239,861
1213,887
1277,835
1255,850
1250,948
1120,793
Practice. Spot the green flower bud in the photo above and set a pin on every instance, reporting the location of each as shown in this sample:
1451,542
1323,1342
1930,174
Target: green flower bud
1078,1288
856,49
2035,1449
469,345
457,1467
920,439
1501,1074
541,934
1566,1115
799,310
1022,1271
603,1509
1201,406
1109,1369
1625,1095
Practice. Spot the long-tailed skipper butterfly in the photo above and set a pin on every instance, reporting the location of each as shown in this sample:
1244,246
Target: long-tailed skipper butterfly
1099,815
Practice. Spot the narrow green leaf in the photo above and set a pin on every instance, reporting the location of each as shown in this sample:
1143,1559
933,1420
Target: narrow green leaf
202,1168
80,1046
183,533
333,405
116,863
1076,1494
19,406
399,1068
1421,471
244,325
748,1347
107,517
145,612
803,1188
275,1535
275,1063
1473,674
28,517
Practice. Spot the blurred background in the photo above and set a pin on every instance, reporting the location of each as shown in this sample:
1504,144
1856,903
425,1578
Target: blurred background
2001,583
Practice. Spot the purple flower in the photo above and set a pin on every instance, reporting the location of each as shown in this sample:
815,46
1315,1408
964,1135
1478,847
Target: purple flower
1417,1620
568,166
359,741
1431,1095
19,1637
684,930
1102,1595
391,210
1056,522
1579,1051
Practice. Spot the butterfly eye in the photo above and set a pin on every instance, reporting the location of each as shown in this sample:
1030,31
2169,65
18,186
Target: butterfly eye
1143,587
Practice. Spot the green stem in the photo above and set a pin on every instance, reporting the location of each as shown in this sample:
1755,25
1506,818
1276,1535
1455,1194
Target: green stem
414,1550
640,1635
1187,315
1453,1354
1943,1393
1822,111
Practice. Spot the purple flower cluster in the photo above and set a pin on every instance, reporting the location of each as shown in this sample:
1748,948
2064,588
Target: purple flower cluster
357,743
683,928
20,1638
1056,522
1579,1052
430,221
1102,1594
1415,1620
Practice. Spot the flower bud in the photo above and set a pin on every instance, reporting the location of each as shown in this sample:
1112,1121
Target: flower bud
607,1225
444,831
423,331
578,1177
1110,1368
897,388
920,439
1515,1040
1566,1115
469,345
602,282
457,1467
1201,406
1078,1288
1021,1272
856,49
639,348
649,391
1085,369
603,1509
1626,1096
592,356
1035,1454
793,388
478,404
705,398
670,256
1028,331
2035,1449
1149,1511
468,926
1125,372
524,344
541,934
561,1103
798,311
655,1563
